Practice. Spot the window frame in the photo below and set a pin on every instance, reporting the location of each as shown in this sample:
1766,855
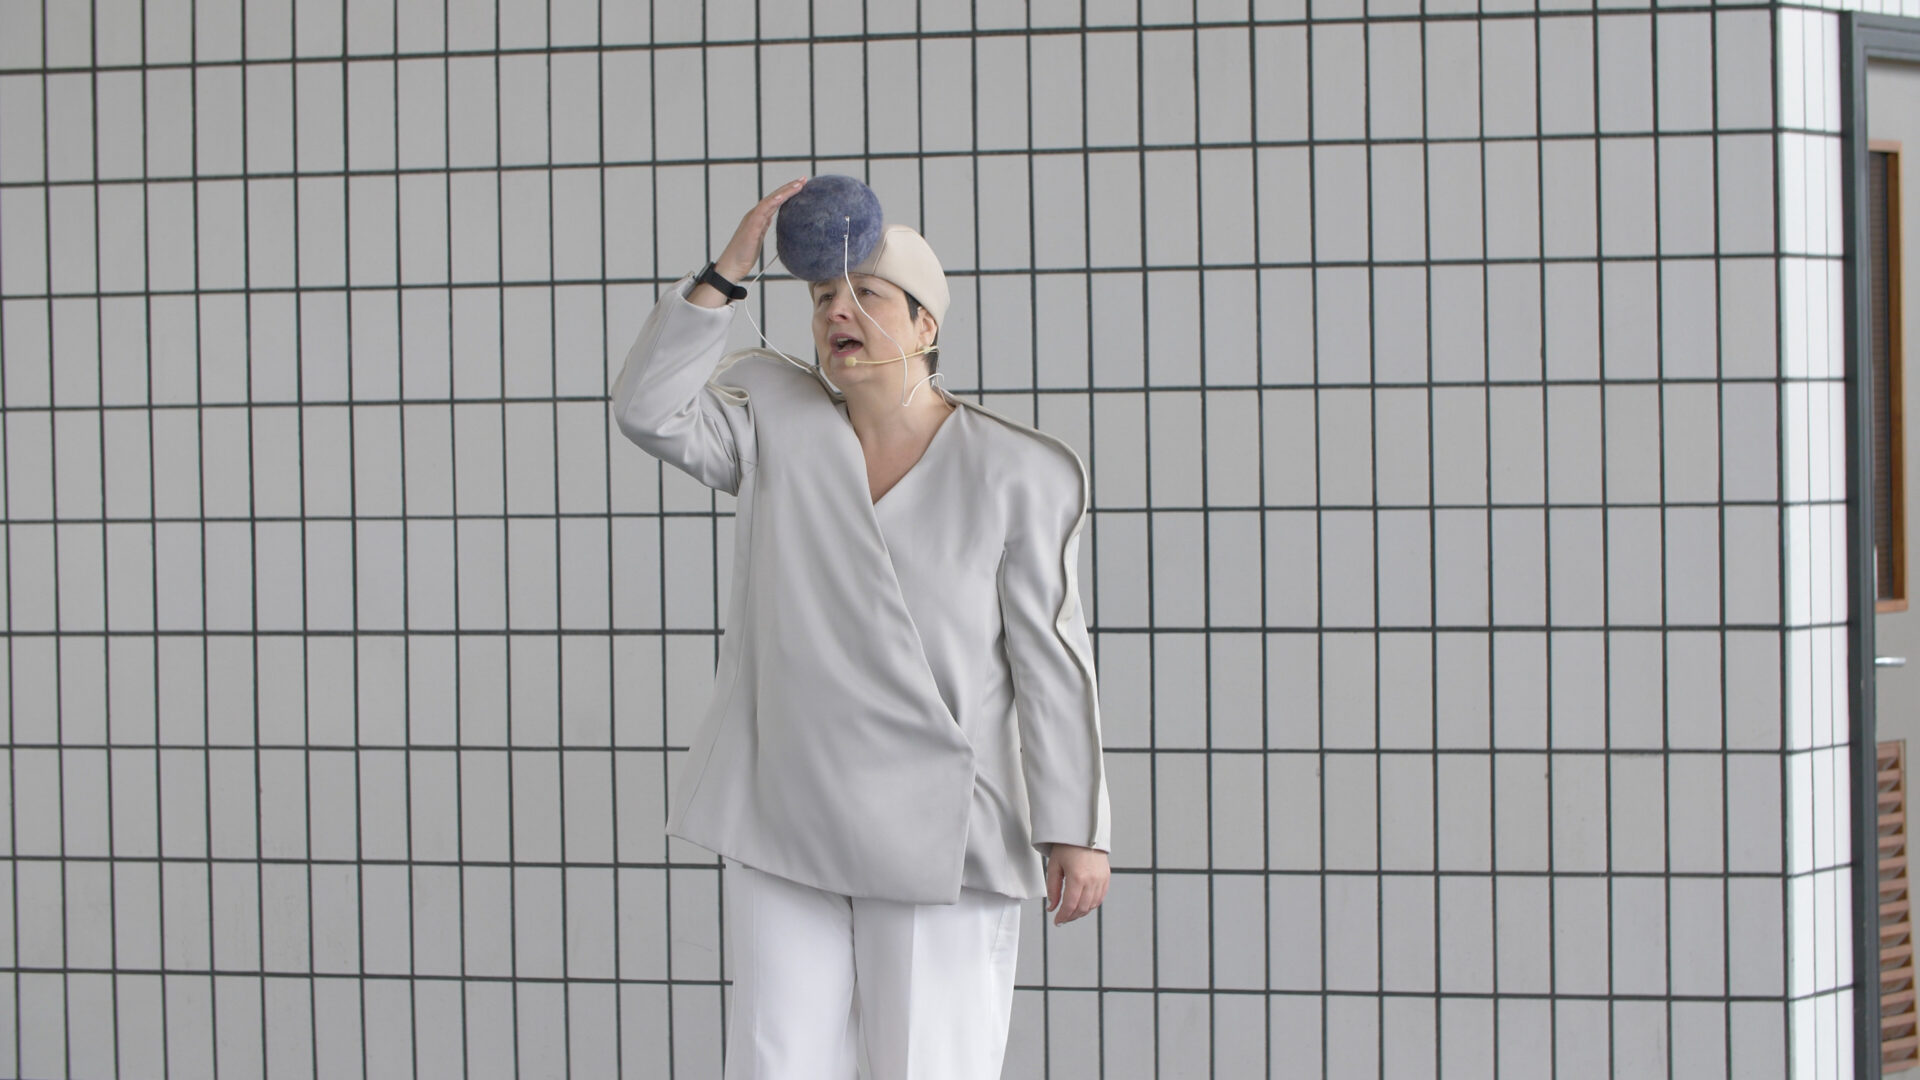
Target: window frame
1896,478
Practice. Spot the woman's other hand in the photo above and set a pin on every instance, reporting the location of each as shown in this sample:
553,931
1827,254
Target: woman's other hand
1076,881
743,251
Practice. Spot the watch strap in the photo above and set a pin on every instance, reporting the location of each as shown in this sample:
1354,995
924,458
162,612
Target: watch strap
727,288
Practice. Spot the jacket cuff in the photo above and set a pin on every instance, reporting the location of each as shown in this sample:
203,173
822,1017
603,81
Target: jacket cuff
1045,847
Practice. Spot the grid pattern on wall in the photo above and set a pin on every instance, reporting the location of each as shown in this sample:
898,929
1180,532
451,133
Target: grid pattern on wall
1813,494
1463,567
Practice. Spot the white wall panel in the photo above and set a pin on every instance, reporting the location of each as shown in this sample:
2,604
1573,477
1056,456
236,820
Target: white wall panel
1461,387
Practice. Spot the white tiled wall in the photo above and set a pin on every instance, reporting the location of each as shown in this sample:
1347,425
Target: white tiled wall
1813,433
1461,386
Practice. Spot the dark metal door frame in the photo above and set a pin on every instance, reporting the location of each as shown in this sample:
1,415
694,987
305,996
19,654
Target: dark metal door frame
1862,38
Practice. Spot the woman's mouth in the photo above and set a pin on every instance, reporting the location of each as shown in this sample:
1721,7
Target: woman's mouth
845,344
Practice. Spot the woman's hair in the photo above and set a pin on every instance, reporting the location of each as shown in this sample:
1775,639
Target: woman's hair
913,313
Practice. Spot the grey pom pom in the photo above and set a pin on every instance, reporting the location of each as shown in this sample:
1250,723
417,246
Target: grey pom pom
814,236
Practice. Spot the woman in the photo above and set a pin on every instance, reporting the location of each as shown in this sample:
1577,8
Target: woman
905,715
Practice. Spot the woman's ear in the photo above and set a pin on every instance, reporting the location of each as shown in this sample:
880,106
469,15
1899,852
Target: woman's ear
926,328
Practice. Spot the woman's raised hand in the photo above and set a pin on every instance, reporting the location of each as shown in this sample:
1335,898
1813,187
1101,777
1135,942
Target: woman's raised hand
743,251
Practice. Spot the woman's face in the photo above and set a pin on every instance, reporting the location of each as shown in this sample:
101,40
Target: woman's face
841,331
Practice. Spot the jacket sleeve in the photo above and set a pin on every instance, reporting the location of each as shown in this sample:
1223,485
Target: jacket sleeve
1056,697
665,401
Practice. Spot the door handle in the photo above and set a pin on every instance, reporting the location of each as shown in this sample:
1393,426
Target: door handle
1889,661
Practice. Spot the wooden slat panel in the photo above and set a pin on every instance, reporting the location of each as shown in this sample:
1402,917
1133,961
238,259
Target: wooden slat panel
1899,997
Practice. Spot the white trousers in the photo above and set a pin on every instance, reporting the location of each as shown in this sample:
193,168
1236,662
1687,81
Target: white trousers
824,984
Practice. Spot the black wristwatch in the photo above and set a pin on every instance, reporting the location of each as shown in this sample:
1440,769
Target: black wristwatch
727,288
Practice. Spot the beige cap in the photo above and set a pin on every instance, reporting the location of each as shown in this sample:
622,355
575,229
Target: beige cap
905,258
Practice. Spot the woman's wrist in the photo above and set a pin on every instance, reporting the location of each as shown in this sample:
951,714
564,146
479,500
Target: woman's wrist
705,295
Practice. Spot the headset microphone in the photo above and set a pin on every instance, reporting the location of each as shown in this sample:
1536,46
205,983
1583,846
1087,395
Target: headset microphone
892,360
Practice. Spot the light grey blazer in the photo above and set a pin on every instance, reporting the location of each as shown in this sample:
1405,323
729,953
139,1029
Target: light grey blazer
828,754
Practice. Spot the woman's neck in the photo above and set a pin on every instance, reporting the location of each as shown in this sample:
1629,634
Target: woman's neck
876,413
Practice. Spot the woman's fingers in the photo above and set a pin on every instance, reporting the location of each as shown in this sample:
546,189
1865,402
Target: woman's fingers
1092,895
760,218
779,195
1069,901
743,251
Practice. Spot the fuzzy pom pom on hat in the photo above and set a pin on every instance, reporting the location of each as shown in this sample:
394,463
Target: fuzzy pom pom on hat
905,258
